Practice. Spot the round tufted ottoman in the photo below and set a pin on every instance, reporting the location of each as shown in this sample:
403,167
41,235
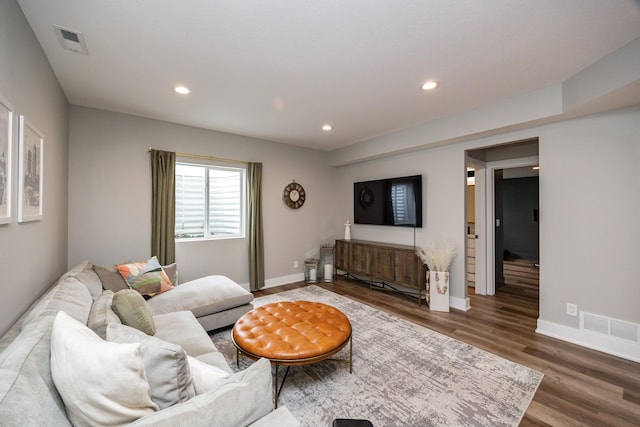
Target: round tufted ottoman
292,333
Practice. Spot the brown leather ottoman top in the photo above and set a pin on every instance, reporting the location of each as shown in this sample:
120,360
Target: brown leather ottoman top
292,331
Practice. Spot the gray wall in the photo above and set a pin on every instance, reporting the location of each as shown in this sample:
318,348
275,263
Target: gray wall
110,198
589,204
589,196
443,179
33,254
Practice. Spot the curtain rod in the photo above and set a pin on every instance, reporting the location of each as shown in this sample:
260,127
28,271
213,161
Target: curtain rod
199,156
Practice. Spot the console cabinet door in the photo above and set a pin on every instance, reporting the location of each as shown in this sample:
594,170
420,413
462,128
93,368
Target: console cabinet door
361,259
343,255
383,265
407,269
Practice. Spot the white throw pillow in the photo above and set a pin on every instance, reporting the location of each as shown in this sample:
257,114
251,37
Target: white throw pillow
165,363
101,383
206,377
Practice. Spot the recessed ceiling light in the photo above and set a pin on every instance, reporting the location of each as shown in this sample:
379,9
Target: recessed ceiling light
535,168
327,128
429,85
182,90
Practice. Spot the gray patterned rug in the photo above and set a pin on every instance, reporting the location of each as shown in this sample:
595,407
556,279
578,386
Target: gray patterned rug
403,374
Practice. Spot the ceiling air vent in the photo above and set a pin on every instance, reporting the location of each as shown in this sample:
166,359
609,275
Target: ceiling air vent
71,40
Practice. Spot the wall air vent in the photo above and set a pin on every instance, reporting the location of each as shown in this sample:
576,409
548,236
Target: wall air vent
71,40
609,326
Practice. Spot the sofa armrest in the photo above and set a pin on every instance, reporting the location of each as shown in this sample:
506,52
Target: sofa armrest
244,398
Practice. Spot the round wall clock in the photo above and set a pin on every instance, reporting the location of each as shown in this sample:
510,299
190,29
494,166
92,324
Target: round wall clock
293,195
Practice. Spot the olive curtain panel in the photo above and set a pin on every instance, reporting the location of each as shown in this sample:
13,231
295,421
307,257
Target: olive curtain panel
256,242
163,206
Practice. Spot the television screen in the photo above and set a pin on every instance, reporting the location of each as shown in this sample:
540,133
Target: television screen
392,201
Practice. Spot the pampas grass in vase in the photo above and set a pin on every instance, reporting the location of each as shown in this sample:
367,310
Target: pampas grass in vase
439,256
438,259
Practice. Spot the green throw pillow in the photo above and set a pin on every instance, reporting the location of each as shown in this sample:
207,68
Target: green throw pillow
132,310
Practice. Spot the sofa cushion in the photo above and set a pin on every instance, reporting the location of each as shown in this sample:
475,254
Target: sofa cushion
91,280
165,364
101,383
101,314
182,328
75,270
146,277
69,295
110,277
171,270
206,377
202,297
25,374
243,398
132,310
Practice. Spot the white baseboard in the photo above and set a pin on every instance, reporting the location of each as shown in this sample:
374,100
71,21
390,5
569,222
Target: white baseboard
463,304
277,281
606,344
284,280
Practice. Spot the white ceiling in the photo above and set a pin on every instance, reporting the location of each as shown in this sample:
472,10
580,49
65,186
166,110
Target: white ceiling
279,69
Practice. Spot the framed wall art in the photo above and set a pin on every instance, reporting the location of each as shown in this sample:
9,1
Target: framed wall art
30,182
6,142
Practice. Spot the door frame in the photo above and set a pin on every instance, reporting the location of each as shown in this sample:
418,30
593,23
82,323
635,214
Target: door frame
490,218
480,225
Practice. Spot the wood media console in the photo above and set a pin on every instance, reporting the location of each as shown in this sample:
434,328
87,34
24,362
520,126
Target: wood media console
382,265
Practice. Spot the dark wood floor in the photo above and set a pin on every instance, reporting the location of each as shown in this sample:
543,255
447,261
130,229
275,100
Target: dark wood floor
581,387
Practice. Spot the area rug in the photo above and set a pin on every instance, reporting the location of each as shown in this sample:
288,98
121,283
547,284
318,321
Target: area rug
403,374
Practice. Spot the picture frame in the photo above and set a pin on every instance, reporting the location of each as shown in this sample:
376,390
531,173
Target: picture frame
31,172
6,160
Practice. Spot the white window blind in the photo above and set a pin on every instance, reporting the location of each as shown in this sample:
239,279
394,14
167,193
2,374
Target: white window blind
403,202
210,201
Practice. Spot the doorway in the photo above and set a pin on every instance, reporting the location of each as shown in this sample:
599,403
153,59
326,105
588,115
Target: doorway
517,249
493,166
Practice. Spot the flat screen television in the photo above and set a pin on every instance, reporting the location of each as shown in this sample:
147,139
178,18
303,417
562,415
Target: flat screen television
392,201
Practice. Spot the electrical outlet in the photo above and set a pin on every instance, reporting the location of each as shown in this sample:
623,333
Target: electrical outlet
572,309
295,264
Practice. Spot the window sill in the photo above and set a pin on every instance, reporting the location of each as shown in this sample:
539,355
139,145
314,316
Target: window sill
204,239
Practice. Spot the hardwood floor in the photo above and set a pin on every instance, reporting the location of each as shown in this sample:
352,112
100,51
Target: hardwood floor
581,387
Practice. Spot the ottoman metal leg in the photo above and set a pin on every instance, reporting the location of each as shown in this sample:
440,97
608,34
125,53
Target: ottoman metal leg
277,389
351,354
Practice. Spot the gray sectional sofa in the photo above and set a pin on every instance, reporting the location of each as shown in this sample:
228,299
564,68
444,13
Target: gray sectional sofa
28,393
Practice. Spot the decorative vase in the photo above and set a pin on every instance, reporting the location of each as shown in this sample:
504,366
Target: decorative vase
347,231
438,289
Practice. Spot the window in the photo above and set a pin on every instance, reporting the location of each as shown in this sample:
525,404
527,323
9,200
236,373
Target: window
403,204
210,201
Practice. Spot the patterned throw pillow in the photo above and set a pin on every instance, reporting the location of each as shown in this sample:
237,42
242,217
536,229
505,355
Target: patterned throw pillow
146,277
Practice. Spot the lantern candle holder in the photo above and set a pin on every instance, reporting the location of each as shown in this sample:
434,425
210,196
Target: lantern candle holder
325,267
311,270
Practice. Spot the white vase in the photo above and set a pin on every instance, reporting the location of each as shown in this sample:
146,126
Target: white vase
347,231
438,289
